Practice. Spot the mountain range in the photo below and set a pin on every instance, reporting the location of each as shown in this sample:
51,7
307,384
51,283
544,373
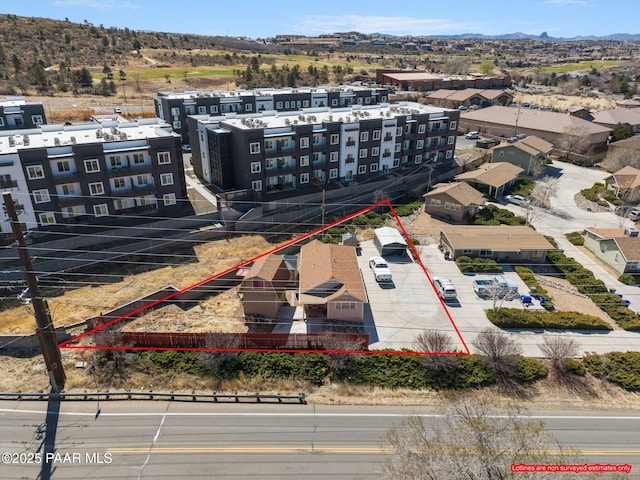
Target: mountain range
620,37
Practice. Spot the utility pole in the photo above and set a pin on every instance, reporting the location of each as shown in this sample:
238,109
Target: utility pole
44,326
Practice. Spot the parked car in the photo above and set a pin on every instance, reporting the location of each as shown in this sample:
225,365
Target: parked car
445,288
472,135
462,108
498,285
623,210
380,270
634,215
516,199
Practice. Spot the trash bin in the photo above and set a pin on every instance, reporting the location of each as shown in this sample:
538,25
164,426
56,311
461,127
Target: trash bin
542,300
626,303
526,299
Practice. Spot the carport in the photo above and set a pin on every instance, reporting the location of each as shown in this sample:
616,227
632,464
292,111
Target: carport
389,241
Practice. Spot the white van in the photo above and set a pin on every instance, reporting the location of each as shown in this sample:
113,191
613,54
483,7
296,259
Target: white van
445,288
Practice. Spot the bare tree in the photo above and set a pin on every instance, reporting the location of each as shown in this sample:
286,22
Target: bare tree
574,140
436,342
621,157
543,190
472,438
500,350
558,348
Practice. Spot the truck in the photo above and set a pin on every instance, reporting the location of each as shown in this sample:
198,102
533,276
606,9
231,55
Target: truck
445,288
380,270
486,287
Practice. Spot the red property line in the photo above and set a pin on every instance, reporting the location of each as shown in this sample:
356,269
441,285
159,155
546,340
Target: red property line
67,344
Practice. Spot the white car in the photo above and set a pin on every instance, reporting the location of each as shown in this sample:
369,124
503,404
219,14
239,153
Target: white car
380,270
472,135
445,288
516,199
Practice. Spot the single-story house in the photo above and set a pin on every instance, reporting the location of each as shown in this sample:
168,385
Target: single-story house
389,241
501,242
455,201
330,282
628,103
467,97
529,153
556,128
625,183
611,118
263,289
492,177
619,248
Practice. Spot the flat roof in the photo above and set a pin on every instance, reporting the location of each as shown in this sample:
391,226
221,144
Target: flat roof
16,102
264,92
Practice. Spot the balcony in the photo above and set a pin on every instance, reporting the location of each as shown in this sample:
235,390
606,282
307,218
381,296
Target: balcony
387,138
386,154
68,200
66,177
351,143
279,187
144,188
4,184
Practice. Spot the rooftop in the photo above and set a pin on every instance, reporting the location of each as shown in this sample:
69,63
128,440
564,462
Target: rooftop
493,174
461,192
15,101
618,115
260,92
501,238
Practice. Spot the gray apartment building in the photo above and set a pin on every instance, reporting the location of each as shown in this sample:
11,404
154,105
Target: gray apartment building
274,152
174,108
18,113
91,173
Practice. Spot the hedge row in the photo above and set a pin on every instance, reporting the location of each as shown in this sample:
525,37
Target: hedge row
527,276
588,284
575,238
617,367
477,265
516,318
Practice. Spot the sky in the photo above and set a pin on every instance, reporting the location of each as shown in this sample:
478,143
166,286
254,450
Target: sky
266,18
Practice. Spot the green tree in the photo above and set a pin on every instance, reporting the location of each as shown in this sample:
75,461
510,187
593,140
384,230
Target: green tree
486,67
622,131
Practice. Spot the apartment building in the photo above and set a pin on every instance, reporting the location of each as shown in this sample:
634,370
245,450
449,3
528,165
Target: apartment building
174,108
18,113
89,173
290,151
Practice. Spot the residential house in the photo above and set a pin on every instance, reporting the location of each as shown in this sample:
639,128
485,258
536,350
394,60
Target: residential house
616,116
626,183
552,127
263,289
492,178
330,282
616,247
416,81
292,153
529,153
457,201
469,96
502,243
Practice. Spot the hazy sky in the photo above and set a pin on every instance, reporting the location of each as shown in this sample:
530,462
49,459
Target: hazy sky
259,19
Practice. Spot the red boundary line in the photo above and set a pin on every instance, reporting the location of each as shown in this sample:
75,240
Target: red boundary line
66,343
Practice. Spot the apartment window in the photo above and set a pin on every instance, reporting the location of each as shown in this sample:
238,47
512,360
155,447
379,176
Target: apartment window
164,158
453,125
407,129
376,134
422,128
406,144
47,218
333,156
147,200
420,144
451,140
202,110
396,162
383,98
367,100
142,180
304,160
398,131
373,167
254,147
37,119
334,102
68,189
213,109
334,139
256,167
41,196
138,158
268,145
286,104
101,210
278,105
63,166
364,136
1,122
166,179
418,159
91,166
485,252
333,173
398,147
177,124
305,103
375,151
175,111
362,169
119,183
35,172
115,161
256,185
304,142
363,152
121,203
304,178
96,188
449,154
169,199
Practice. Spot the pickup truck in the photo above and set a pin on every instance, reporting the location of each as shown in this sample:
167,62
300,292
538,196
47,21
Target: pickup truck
445,288
485,287
380,269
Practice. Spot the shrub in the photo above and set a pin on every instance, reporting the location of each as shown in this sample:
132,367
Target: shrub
522,186
530,369
575,238
627,279
492,215
595,365
624,369
369,219
516,318
407,209
527,276
571,365
477,265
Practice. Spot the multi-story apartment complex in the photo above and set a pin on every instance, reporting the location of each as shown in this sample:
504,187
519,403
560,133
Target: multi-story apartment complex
174,108
89,173
16,112
278,151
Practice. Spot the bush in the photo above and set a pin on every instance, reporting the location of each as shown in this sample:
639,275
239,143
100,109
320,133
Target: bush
530,369
522,186
575,238
527,276
369,219
595,365
477,265
571,365
407,209
516,318
627,279
492,215
624,369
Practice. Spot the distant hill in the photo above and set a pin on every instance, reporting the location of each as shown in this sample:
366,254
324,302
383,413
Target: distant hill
525,36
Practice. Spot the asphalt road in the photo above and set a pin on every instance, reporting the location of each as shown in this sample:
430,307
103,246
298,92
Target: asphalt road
155,440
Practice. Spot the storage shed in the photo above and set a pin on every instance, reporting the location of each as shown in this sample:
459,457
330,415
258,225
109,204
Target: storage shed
389,241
